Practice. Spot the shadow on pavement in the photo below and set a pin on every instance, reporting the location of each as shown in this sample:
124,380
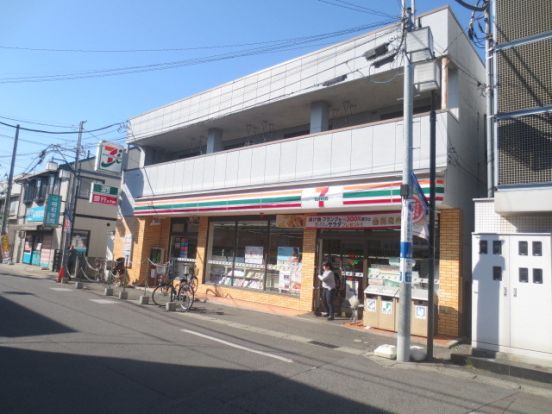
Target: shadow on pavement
19,321
46,382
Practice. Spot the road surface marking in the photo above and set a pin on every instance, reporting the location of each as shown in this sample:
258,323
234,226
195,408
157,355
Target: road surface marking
61,289
243,348
103,301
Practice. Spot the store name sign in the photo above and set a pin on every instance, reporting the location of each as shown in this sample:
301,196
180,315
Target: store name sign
103,194
53,207
35,215
109,157
356,221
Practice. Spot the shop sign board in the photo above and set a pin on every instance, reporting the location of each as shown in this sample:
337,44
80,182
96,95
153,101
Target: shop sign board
355,221
103,194
35,215
290,221
53,207
109,157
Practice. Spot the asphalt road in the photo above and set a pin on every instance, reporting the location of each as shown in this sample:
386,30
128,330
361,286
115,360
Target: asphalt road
74,351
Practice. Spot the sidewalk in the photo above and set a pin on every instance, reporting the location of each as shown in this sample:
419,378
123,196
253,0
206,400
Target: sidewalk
275,321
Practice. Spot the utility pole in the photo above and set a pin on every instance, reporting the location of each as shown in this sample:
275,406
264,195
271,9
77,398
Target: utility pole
71,202
10,183
431,272
405,266
489,57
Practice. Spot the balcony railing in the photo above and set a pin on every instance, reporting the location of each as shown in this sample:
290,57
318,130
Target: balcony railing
370,149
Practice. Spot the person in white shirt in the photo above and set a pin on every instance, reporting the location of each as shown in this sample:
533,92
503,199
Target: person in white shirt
328,284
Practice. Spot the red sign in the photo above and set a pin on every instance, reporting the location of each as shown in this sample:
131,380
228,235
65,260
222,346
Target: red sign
104,199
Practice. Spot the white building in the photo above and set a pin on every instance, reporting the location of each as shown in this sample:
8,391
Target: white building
258,180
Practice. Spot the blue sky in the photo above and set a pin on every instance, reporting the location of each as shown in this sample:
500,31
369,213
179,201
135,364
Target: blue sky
117,25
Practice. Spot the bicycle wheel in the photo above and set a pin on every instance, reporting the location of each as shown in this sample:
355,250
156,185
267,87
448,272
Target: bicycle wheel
162,295
185,298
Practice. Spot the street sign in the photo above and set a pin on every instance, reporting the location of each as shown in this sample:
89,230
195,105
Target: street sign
103,194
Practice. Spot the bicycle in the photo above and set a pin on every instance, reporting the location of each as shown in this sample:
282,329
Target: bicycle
166,292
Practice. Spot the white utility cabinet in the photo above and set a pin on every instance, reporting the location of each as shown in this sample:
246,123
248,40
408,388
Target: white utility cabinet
512,293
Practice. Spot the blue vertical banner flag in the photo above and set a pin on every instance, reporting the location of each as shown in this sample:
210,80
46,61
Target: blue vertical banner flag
420,213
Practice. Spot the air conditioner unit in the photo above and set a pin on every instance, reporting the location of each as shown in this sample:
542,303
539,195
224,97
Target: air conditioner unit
52,166
64,174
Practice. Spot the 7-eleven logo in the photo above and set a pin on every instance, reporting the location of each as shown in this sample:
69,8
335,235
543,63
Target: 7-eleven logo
322,197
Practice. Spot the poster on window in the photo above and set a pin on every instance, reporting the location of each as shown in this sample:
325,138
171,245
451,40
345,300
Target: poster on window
254,254
289,267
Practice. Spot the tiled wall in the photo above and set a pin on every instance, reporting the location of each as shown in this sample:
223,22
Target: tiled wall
488,221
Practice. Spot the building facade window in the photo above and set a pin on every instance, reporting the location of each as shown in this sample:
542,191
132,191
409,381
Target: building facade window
183,245
254,254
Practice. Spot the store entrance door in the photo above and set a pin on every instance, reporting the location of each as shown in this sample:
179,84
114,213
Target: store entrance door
348,256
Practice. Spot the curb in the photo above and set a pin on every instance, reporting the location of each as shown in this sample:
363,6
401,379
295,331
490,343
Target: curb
507,368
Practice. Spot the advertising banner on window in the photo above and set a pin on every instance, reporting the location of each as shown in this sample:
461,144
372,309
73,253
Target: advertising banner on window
254,254
289,267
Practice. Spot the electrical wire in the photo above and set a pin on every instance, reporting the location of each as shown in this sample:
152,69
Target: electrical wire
254,100
188,62
355,7
42,131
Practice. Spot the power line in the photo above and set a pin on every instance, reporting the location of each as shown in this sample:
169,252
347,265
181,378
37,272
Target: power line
42,131
355,7
279,47
182,49
38,123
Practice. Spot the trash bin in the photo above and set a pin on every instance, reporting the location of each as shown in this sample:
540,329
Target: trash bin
419,312
386,312
380,307
370,317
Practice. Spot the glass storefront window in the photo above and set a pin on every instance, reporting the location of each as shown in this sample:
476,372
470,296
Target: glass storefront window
220,261
284,260
183,247
255,254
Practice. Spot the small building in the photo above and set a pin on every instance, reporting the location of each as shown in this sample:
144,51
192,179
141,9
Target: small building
256,182
41,218
512,246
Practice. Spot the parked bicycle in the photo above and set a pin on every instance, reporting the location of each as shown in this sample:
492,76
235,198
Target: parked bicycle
100,271
166,291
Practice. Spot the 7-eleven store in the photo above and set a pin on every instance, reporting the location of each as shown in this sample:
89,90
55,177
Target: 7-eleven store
267,246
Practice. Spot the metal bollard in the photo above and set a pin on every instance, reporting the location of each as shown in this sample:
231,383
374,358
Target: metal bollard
144,300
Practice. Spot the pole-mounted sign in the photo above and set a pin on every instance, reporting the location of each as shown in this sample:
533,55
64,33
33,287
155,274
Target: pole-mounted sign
103,194
109,157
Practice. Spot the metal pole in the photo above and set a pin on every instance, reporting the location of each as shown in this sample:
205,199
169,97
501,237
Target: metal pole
489,102
10,182
71,202
431,273
405,293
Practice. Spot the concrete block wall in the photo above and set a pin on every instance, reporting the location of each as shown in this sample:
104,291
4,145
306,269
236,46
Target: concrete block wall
450,273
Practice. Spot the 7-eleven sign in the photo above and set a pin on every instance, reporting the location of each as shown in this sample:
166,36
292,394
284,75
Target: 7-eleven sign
322,197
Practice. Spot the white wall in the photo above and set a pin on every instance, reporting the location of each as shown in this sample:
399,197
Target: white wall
369,150
298,76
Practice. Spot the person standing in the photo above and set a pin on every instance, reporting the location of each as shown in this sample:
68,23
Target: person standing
328,284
